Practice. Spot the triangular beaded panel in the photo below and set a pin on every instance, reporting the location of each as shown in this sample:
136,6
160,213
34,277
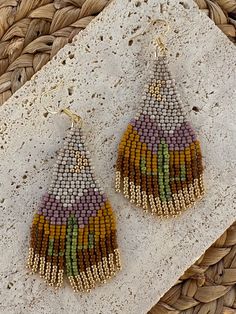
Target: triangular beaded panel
74,228
159,165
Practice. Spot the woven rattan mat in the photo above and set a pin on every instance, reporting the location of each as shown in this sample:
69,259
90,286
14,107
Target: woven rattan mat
223,13
208,286
31,33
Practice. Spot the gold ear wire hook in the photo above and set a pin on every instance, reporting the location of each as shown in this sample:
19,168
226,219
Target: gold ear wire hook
73,116
159,41
145,30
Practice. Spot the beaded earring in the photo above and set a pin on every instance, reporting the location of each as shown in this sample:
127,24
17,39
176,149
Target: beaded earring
159,164
74,229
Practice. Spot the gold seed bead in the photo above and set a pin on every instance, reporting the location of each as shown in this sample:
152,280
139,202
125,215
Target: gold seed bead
90,278
85,282
48,271
35,263
59,279
54,275
111,264
100,272
132,192
95,272
117,259
79,282
30,258
42,266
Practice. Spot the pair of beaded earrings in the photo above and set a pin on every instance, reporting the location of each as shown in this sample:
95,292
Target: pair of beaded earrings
159,167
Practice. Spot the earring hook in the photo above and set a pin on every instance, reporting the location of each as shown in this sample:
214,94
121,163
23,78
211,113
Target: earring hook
73,116
159,41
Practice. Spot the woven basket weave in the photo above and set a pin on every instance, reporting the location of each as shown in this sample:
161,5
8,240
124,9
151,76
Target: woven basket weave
208,286
32,32
223,13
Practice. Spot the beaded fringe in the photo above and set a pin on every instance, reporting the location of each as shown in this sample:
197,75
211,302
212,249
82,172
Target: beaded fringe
83,281
159,164
181,201
74,230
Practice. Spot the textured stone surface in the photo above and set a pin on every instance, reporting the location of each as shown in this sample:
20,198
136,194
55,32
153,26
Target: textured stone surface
100,76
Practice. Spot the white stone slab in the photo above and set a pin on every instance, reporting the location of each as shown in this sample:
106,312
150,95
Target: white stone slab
105,75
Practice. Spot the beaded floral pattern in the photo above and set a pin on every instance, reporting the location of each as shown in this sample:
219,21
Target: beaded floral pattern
74,228
159,165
